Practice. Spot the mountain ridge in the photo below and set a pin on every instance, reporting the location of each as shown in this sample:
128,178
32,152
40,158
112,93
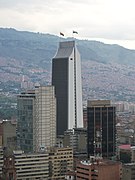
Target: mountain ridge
108,71
39,47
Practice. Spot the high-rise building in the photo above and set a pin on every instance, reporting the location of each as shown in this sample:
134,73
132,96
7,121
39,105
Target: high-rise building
66,77
36,119
101,128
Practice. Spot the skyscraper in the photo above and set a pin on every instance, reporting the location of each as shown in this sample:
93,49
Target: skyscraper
66,77
101,128
36,119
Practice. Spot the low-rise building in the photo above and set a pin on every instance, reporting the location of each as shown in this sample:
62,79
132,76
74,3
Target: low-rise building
1,160
77,139
70,175
8,134
98,169
23,166
8,169
132,153
128,171
60,161
124,153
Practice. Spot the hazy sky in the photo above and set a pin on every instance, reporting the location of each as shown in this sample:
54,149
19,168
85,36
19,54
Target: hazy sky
110,21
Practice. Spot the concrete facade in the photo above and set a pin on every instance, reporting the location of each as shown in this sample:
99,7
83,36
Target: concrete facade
8,133
60,161
128,171
77,139
36,128
21,166
100,169
44,127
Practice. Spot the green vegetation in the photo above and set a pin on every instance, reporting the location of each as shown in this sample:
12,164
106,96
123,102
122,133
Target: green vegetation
7,113
7,100
38,48
7,107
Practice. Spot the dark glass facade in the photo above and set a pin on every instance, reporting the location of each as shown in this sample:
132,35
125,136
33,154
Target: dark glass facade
60,81
66,78
101,131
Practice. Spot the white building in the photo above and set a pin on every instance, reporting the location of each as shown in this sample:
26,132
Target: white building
45,118
36,129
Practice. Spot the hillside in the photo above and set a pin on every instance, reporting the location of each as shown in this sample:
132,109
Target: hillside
108,71
40,48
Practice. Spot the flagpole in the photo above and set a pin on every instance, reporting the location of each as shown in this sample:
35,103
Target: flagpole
61,34
74,32
72,35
